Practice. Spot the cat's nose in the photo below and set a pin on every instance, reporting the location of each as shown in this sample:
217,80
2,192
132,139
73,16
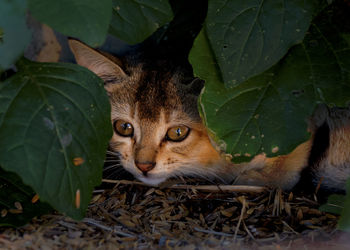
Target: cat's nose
145,166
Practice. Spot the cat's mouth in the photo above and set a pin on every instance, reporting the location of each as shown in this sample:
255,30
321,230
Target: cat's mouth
150,178
152,181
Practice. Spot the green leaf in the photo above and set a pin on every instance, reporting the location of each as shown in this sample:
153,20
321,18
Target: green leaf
344,222
13,190
14,35
134,20
54,116
334,205
248,37
87,20
268,113
340,204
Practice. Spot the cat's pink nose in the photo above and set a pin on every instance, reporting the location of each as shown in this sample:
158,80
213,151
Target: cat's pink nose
145,166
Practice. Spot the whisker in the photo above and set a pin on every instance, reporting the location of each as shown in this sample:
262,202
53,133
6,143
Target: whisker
116,166
210,174
112,160
112,157
118,173
108,152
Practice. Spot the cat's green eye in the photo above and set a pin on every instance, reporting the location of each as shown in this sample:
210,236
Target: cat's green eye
123,128
177,133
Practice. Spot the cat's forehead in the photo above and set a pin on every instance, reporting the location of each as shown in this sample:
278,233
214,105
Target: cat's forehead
156,91
150,93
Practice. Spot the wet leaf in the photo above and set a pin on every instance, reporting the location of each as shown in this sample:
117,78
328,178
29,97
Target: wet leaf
15,201
51,114
14,35
133,21
248,37
87,20
268,113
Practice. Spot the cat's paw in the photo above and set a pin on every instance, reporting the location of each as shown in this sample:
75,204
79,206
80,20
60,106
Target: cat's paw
258,162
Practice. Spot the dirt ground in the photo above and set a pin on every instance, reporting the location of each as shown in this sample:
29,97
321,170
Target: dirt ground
129,215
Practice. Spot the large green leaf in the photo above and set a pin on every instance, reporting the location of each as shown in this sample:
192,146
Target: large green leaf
340,204
12,191
344,222
87,20
134,20
248,37
268,113
14,35
54,130
334,205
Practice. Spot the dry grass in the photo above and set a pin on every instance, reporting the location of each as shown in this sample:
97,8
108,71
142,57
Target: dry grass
128,214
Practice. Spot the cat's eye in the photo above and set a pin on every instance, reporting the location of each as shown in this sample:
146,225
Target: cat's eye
177,133
123,128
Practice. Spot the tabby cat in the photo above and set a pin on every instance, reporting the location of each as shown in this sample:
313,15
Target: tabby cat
158,132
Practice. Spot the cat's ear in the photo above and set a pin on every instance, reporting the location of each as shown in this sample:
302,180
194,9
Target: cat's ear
196,86
107,67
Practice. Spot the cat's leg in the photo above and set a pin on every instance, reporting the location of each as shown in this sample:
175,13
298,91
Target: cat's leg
324,159
281,171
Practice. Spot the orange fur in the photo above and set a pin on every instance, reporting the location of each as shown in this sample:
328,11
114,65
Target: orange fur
340,145
281,171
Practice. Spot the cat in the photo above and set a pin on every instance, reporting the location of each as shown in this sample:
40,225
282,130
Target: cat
158,132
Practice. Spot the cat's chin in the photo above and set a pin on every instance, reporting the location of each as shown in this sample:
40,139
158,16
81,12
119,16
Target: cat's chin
152,181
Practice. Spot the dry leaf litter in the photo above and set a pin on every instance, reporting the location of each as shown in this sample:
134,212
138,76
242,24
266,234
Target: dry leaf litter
130,215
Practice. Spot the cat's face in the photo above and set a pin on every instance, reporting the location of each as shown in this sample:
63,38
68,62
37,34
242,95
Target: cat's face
158,132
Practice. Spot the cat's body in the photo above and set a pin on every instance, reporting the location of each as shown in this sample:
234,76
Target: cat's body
323,160
158,132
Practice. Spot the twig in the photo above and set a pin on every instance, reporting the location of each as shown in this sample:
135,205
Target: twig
247,230
125,182
277,208
319,184
103,227
204,188
96,224
212,232
68,225
108,214
289,227
98,191
222,188
240,218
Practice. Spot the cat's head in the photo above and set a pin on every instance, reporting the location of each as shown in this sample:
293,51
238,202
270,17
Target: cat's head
157,128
